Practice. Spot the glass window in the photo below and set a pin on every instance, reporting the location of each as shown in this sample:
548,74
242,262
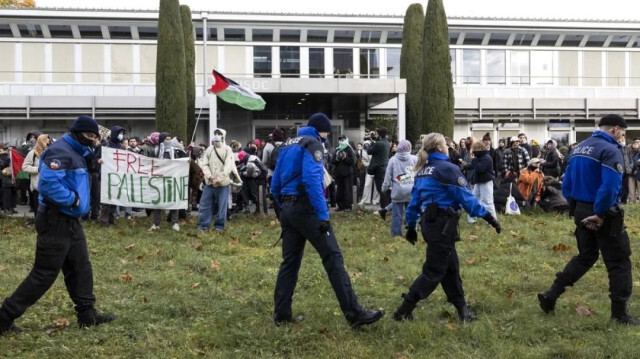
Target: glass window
90,31
473,38
60,31
452,54
471,66
290,61
370,37
343,36
393,63
596,40
498,38
369,63
234,35
453,38
288,35
394,37
30,30
213,34
316,62
496,67
523,39
548,40
120,32
199,33
520,68
620,41
541,67
150,33
317,35
572,40
5,30
342,62
262,34
262,61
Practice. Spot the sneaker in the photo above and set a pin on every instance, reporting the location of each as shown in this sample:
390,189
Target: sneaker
154,228
129,216
176,227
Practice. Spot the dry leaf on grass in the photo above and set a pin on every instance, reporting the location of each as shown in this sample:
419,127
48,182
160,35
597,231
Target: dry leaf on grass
233,241
3,267
356,275
561,247
130,246
123,261
215,265
511,295
126,277
197,246
469,261
94,251
473,237
401,278
195,285
584,311
171,263
61,322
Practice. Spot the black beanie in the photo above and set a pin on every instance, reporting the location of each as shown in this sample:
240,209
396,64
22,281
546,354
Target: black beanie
612,120
85,124
320,121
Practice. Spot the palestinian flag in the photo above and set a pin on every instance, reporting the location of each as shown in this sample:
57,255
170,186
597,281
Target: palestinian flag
16,160
231,92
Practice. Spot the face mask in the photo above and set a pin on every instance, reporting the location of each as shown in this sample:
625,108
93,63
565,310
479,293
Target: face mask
343,142
120,137
84,141
217,138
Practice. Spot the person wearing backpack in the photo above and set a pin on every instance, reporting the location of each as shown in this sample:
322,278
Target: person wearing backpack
253,172
270,158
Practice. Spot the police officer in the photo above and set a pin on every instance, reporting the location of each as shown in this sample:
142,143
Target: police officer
592,185
61,244
297,186
439,190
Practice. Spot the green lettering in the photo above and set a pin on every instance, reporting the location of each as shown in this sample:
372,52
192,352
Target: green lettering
111,183
153,186
123,185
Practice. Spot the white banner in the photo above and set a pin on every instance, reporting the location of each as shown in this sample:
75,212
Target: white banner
132,180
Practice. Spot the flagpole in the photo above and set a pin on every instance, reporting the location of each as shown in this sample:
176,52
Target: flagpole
195,128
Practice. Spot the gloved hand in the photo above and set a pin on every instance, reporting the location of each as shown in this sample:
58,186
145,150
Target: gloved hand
325,226
411,236
492,221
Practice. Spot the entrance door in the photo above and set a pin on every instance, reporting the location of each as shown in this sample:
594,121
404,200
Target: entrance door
262,128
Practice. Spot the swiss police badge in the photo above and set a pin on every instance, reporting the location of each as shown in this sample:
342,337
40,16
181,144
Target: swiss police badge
318,155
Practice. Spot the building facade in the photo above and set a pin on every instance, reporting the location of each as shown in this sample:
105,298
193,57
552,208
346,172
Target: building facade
547,78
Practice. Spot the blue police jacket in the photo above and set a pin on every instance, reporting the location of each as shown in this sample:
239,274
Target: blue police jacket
63,176
440,181
299,171
594,173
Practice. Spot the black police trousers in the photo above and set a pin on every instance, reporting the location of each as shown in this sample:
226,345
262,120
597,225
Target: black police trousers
615,250
61,244
441,266
299,223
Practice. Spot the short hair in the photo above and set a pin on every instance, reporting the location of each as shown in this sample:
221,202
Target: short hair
478,146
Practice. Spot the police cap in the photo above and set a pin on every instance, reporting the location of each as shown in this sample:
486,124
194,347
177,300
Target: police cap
612,120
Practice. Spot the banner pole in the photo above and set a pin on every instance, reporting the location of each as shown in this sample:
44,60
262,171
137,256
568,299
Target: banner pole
195,128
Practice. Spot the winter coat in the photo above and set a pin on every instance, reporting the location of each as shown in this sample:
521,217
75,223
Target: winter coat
113,138
344,162
30,166
379,152
399,176
482,167
527,180
212,166
551,165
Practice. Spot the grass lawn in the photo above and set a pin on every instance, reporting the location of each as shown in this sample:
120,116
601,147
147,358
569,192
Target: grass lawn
181,295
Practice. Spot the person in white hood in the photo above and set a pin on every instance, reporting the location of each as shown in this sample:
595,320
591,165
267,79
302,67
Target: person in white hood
399,178
217,165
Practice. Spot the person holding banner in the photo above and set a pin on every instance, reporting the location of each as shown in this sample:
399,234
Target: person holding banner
170,148
217,165
107,211
61,243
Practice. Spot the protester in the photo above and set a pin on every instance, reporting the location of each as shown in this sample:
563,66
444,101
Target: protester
217,165
483,176
399,180
516,158
107,211
552,199
61,244
253,173
31,166
551,164
169,148
592,185
440,189
344,161
298,185
523,143
379,152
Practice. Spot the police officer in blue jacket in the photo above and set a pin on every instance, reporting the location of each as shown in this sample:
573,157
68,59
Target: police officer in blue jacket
297,187
592,184
61,244
439,190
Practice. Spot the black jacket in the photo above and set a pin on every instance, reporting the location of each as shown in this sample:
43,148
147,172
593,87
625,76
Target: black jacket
551,165
344,165
482,167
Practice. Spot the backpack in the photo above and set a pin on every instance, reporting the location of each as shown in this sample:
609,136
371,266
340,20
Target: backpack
273,159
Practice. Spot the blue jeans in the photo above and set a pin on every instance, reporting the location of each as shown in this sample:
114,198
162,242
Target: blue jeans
397,211
210,194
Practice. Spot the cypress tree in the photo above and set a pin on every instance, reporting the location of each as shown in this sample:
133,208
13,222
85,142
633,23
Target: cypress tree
437,81
171,96
190,73
411,69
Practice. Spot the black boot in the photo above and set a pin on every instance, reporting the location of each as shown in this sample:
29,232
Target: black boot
465,315
90,317
365,317
294,320
620,315
404,311
547,301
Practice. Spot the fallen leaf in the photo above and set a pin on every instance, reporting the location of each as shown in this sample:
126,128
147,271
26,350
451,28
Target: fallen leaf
514,234
233,241
195,285
584,311
215,265
561,247
6,231
126,277
145,300
386,259
273,223
257,233
61,322
140,257
130,246
473,237
199,351
94,251
356,275
511,295
158,251
123,261
449,325
401,278
171,263
324,331
122,233
3,267
470,261
198,246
